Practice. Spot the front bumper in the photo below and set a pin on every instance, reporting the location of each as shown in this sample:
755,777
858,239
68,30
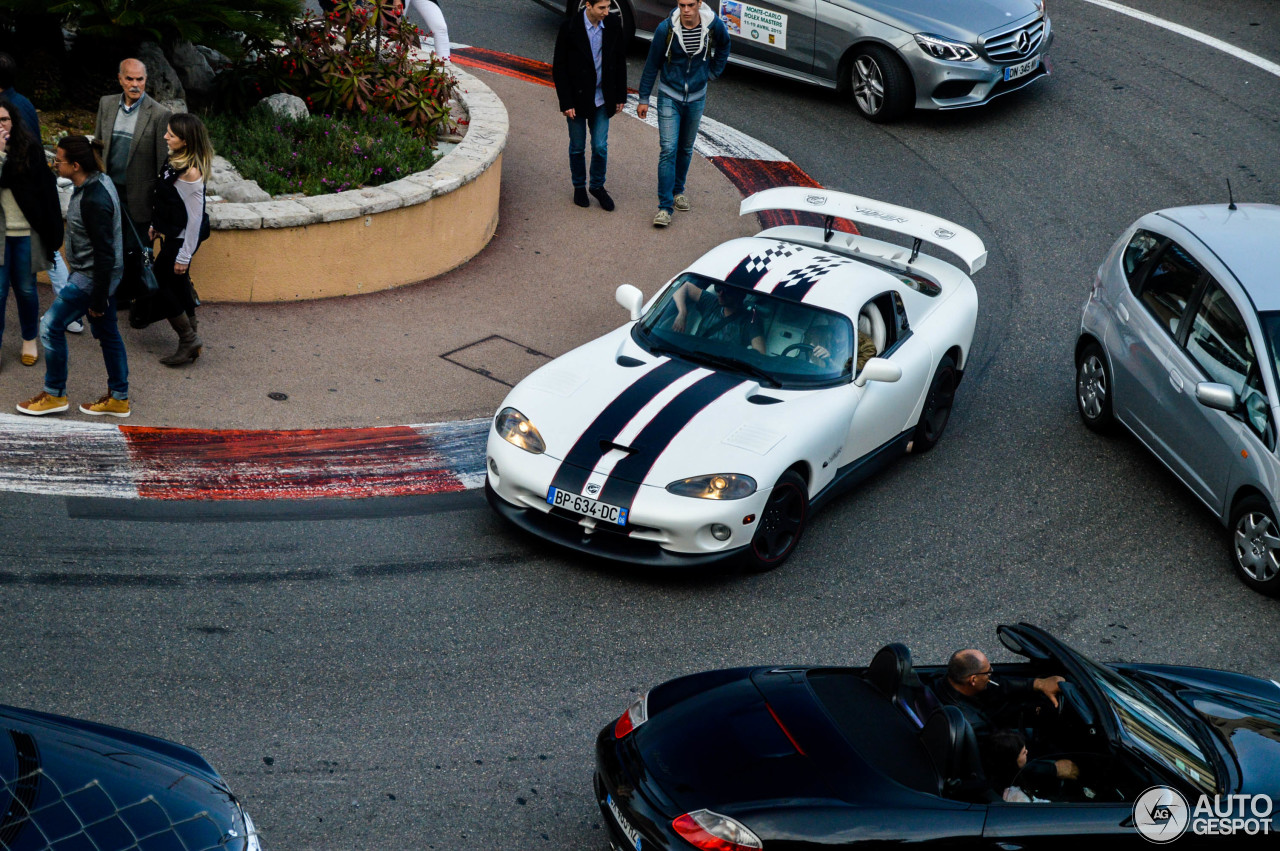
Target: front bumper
663,530
945,84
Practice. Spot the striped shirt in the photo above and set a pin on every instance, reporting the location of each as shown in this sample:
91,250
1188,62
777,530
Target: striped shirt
690,39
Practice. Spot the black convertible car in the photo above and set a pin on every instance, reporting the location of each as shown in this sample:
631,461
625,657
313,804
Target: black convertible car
74,785
789,758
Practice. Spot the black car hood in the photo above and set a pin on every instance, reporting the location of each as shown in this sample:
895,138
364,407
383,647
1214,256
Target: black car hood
1243,713
722,749
60,776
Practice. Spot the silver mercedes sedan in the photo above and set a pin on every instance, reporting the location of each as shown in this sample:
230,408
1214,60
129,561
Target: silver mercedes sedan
890,55
1179,343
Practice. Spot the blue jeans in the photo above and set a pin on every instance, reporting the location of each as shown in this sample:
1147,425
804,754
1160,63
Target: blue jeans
17,271
677,131
599,148
73,301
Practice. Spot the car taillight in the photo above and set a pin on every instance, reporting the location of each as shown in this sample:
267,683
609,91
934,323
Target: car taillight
637,713
714,832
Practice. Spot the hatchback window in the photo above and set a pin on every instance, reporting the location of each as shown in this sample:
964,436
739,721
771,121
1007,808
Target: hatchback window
1169,287
1138,252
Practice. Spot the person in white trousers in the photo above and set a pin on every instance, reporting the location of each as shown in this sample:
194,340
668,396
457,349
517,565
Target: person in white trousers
430,12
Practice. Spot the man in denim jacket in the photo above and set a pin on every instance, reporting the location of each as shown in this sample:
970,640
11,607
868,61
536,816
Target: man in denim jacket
690,49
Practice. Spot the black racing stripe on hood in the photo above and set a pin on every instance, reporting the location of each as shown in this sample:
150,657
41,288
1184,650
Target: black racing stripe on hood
653,440
582,458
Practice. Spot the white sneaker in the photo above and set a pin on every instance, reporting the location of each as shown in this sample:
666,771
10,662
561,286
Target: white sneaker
76,327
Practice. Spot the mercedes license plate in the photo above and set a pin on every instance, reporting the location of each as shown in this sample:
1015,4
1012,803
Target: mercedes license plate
633,835
1022,69
587,506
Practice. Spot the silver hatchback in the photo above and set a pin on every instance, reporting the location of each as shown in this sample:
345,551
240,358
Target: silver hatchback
890,55
1178,343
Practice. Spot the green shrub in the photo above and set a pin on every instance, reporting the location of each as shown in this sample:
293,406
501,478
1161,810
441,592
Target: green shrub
354,60
320,154
221,24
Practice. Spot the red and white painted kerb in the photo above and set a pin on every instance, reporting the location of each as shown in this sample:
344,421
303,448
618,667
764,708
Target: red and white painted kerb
69,458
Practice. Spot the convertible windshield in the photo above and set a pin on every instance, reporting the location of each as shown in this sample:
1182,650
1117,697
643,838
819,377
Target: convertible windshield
1150,728
781,342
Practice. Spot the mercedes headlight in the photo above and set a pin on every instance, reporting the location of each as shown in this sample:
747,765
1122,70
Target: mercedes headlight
945,48
515,428
715,486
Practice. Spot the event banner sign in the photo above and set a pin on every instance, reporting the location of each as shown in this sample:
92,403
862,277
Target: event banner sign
753,23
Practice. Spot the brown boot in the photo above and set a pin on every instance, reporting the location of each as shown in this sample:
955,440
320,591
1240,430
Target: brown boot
189,344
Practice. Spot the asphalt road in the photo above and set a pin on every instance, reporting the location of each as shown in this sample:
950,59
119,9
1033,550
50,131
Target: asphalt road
410,674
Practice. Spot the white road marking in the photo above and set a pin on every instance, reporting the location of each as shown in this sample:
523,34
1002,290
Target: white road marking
1218,44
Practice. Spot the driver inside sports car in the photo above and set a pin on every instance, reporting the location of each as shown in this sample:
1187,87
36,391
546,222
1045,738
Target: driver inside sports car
989,705
733,322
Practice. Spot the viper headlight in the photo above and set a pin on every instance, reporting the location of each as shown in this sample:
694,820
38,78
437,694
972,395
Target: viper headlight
515,428
715,486
945,48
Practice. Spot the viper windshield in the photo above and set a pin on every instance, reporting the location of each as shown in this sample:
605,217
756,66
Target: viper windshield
729,328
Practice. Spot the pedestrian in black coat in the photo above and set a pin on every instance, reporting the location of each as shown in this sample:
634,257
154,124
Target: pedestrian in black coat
590,73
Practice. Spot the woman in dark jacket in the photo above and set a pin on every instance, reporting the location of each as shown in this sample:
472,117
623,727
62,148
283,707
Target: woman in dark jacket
30,220
177,216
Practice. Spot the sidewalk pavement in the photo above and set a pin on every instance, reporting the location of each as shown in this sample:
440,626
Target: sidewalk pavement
433,351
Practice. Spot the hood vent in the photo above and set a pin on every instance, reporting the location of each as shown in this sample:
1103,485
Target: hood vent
627,360
763,400
608,445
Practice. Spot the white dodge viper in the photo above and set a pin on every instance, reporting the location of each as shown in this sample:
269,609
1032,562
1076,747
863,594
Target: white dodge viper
770,376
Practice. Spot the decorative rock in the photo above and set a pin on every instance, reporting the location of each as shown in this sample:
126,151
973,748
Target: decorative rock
223,173
174,105
286,106
243,192
217,61
193,69
162,81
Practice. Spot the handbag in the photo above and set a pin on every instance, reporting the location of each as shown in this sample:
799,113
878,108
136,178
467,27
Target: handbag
142,264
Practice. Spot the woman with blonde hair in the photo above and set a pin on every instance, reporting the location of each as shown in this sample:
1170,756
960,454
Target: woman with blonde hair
178,219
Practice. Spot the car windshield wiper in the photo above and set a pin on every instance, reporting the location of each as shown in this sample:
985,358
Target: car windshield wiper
734,365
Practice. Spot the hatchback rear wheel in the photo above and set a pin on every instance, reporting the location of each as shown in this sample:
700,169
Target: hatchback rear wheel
1093,389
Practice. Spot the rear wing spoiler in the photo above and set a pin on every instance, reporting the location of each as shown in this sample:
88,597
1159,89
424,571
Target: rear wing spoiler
961,242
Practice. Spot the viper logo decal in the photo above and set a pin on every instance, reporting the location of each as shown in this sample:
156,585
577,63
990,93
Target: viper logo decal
587,451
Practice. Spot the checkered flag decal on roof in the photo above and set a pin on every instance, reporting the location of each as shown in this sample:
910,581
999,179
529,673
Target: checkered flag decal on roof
797,283
754,267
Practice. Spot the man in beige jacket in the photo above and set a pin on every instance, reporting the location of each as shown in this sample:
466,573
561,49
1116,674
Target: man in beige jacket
132,127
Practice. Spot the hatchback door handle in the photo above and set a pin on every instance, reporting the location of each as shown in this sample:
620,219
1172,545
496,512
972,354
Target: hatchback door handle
1175,379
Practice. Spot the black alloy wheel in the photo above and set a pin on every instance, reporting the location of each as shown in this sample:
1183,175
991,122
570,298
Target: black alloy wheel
1093,390
781,524
881,84
937,407
1255,545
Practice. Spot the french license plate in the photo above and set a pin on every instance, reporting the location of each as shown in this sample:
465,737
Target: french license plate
1022,69
587,506
633,835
